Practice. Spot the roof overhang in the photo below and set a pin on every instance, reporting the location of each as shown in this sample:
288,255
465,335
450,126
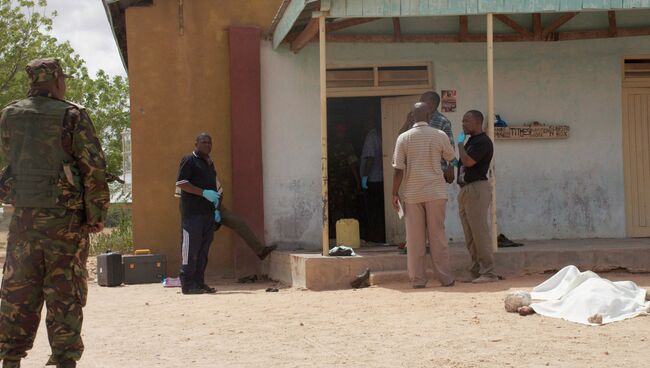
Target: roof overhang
115,12
294,17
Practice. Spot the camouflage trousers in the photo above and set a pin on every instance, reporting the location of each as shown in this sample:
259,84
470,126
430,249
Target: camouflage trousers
47,251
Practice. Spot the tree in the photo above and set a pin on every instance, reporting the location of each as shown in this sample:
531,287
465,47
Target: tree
24,36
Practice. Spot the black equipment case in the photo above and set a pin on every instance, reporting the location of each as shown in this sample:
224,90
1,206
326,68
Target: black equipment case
144,269
109,269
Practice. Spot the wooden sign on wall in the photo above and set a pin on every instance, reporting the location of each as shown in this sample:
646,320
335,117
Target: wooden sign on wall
532,132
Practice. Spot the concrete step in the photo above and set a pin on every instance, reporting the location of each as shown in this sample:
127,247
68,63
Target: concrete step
314,272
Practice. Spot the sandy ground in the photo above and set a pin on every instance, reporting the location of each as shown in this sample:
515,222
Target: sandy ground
389,326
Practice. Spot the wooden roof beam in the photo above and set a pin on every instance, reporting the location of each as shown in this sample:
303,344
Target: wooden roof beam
557,24
397,29
464,28
307,34
613,30
347,23
512,24
445,38
537,26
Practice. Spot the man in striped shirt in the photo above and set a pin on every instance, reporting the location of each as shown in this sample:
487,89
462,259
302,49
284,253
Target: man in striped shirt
438,121
418,153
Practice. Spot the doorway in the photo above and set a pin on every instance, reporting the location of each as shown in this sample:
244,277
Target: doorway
349,120
636,144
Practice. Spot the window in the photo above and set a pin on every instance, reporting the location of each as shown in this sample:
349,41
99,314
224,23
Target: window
379,80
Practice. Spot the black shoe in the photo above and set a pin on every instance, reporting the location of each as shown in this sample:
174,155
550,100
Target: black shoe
362,280
193,291
266,251
504,242
207,289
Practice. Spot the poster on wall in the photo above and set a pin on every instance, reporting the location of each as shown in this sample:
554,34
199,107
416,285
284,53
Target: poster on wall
448,100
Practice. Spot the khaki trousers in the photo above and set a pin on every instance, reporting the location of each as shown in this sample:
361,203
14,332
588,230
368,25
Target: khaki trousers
427,219
473,202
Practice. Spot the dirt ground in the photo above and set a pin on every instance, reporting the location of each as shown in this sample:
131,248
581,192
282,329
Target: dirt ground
388,326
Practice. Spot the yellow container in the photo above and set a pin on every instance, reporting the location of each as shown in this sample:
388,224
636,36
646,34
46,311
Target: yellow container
347,233
139,252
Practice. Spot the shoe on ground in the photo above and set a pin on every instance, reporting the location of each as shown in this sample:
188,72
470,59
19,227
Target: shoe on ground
484,279
266,251
208,289
194,291
419,286
504,242
362,280
451,284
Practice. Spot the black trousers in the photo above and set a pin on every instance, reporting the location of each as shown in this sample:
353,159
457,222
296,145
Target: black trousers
197,234
375,212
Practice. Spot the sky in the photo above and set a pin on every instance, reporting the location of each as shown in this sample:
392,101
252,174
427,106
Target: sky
85,25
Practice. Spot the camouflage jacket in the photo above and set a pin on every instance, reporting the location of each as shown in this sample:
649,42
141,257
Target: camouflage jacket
79,141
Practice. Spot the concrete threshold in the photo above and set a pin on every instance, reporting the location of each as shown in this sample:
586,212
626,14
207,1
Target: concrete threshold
310,270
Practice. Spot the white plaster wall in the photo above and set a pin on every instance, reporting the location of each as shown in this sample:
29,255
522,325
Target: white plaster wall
291,148
545,189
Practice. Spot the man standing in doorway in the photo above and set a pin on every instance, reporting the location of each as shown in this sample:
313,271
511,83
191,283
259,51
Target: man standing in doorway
418,153
476,195
201,211
372,182
56,180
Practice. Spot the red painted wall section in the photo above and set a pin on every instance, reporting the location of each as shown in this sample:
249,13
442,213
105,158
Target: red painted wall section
246,136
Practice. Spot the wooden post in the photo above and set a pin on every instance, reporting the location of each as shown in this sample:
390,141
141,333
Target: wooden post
323,132
490,123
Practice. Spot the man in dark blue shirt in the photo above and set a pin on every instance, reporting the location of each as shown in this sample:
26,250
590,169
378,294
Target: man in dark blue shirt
476,195
200,200
201,214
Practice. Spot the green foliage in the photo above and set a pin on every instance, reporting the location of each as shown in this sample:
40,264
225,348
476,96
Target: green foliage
116,215
119,238
24,36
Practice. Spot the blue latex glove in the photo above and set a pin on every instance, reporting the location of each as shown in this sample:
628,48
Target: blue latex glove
212,196
455,163
217,216
364,182
461,137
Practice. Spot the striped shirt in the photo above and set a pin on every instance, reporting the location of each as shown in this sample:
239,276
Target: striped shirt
418,152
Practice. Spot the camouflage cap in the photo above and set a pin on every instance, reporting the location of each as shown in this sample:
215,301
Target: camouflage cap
43,70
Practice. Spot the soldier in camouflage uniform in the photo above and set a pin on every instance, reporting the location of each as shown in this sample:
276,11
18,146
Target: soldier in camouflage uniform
56,181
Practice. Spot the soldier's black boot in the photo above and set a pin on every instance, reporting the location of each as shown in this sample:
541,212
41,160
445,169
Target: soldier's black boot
10,363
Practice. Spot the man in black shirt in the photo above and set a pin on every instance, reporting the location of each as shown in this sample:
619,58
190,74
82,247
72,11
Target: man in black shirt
201,215
476,195
200,199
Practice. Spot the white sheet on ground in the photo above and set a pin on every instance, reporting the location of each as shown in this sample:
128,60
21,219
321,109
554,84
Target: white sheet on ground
575,296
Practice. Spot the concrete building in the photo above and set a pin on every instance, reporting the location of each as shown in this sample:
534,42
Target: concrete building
247,72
